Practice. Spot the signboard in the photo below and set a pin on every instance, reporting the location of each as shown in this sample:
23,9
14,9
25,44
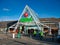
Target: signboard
26,20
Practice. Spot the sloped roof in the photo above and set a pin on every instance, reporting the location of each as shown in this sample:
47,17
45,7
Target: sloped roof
4,24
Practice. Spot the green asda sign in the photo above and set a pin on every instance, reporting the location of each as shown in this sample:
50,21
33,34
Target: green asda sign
26,19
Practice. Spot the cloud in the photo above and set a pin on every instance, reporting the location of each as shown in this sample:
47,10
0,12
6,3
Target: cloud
6,9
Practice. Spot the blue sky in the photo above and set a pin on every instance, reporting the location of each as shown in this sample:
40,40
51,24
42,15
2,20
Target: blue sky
11,9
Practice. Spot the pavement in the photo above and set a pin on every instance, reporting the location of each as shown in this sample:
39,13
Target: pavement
24,40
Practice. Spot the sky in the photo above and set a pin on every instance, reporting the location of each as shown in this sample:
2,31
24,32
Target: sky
11,9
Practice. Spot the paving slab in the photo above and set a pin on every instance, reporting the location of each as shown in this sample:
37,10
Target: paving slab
6,40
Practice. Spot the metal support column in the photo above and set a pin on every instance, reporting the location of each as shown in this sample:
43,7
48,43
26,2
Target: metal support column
50,31
59,29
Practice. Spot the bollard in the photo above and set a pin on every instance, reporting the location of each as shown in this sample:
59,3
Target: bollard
13,35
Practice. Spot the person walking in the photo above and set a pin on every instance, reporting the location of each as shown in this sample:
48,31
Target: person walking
18,34
41,35
34,33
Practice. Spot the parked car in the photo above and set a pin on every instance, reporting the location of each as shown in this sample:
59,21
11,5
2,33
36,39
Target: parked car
58,38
